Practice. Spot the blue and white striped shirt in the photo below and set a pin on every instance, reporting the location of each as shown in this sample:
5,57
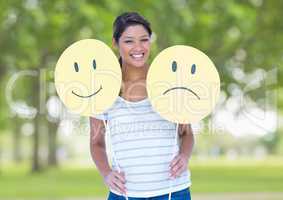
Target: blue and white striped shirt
143,144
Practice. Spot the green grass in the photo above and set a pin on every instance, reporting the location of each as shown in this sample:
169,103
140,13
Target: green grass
207,176
242,175
18,182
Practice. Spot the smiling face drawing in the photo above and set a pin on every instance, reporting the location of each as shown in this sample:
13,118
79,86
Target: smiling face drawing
183,84
88,77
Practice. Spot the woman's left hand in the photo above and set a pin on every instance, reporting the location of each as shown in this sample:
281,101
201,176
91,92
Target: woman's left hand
178,165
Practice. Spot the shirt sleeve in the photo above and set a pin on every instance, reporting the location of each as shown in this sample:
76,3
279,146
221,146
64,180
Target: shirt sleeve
196,127
102,116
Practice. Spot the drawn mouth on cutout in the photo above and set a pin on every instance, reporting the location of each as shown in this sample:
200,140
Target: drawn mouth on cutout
182,88
87,96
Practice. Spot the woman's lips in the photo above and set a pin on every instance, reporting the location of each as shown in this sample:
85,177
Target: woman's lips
138,56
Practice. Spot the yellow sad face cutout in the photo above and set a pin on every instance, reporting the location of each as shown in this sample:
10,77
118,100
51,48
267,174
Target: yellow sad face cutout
183,84
88,77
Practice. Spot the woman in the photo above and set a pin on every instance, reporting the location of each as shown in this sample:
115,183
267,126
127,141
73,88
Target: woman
141,140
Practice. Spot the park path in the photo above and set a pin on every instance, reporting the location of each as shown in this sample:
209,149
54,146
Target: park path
236,196
212,196
239,196
222,196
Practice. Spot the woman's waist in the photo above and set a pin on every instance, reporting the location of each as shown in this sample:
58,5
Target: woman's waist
142,183
149,173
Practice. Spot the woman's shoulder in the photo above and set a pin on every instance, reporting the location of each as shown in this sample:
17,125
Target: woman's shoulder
104,115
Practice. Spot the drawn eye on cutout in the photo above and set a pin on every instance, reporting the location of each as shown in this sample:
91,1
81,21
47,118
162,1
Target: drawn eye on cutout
76,66
94,64
193,68
174,66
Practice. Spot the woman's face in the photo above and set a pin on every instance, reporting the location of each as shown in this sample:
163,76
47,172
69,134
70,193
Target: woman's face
134,46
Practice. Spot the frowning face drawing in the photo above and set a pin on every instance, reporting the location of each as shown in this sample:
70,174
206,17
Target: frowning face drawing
183,84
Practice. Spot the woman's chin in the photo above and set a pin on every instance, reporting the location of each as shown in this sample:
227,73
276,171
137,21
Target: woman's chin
138,64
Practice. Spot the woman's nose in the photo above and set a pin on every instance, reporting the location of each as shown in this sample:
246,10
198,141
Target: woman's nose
138,46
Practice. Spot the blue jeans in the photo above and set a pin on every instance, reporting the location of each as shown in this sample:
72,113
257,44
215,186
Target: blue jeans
179,195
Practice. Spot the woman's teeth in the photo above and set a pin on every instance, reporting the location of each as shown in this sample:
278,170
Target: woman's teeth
137,56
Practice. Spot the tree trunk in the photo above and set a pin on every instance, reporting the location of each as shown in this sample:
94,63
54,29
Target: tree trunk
36,135
40,104
17,137
36,166
52,144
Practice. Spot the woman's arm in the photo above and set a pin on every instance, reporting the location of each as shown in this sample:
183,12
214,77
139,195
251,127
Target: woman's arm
97,146
186,134
113,179
180,162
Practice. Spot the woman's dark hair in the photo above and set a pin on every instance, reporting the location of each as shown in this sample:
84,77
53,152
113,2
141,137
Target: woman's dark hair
125,20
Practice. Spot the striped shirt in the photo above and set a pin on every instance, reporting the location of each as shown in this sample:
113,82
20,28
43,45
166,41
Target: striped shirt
143,144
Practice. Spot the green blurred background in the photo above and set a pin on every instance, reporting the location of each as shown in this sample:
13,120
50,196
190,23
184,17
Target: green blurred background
44,149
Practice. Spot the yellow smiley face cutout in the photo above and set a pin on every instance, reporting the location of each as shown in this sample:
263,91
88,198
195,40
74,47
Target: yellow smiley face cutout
183,84
88,77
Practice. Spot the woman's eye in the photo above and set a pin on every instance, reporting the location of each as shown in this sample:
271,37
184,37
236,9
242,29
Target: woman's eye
193,68
76,66
145,40
174,66
94,64
128,41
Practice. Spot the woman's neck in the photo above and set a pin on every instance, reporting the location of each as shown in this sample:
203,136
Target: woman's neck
132,74
133,87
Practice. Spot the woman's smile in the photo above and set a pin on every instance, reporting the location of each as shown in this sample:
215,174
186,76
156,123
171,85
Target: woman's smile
137,56
134,46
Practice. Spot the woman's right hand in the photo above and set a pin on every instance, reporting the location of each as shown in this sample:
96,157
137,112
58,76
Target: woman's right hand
116,181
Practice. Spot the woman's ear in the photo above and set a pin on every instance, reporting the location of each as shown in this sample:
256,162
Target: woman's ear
114,44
